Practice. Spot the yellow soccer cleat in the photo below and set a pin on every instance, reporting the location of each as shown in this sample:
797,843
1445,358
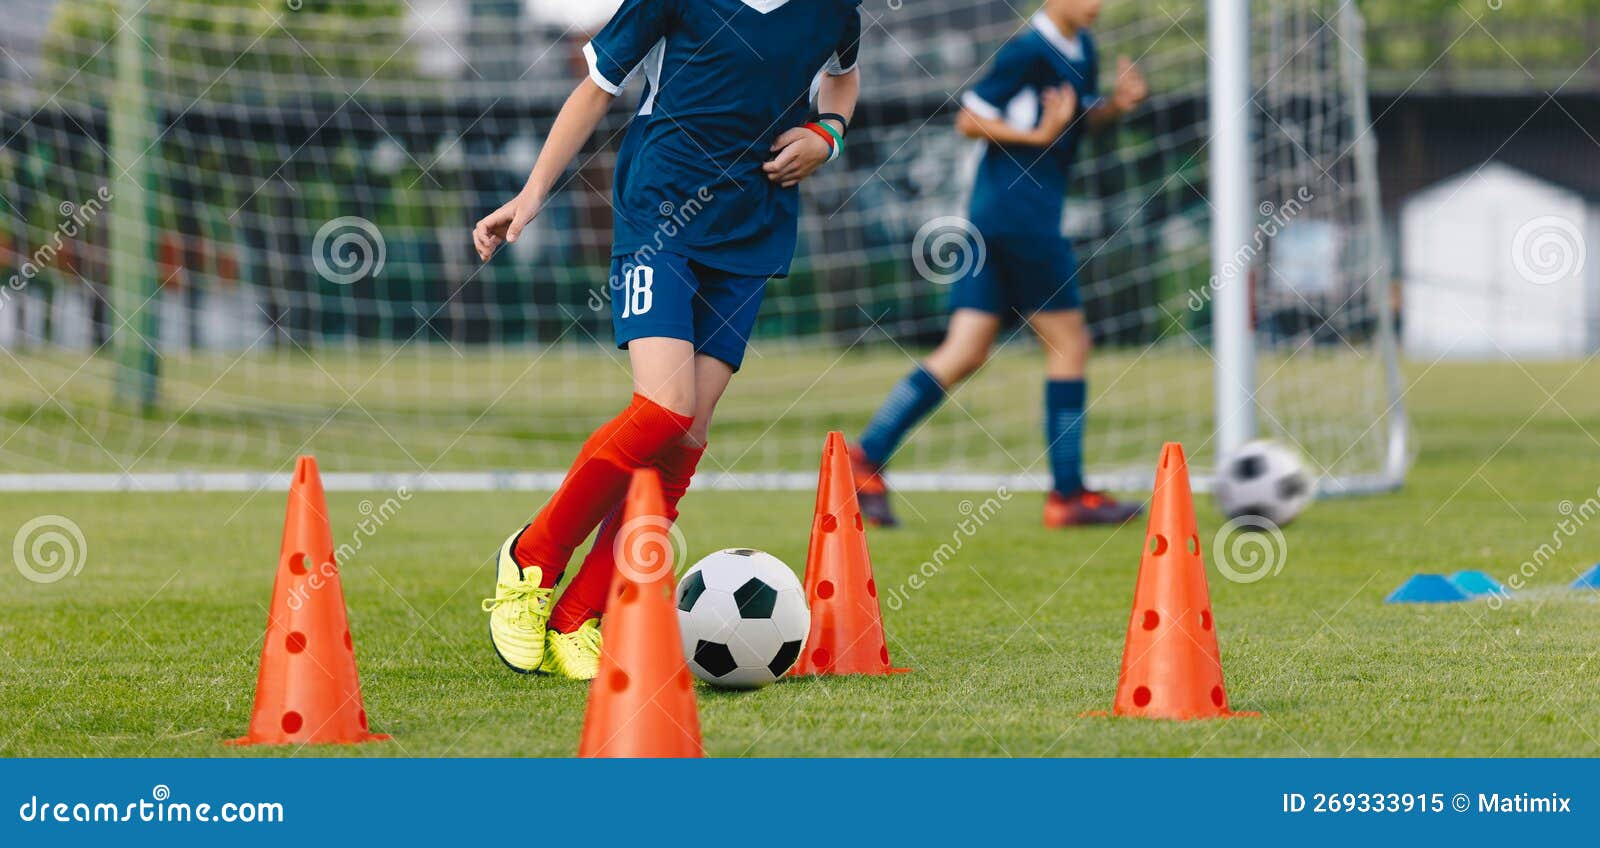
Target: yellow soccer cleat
518,612
574,655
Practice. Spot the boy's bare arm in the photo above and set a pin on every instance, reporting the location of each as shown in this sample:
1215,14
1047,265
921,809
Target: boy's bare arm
1059,106
1129,90
576,122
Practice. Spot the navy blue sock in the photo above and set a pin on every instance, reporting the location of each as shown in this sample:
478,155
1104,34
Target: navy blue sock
1063,432
911,399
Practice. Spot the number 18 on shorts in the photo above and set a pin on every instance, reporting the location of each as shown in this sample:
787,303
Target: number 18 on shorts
638,294
672,296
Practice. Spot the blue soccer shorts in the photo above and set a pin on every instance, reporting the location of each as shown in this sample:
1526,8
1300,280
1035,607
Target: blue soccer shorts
672,296
1023,274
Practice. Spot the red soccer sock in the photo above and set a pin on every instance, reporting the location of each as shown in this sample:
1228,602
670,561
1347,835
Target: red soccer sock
597,480
585,597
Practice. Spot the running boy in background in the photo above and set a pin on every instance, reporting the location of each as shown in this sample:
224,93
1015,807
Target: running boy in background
1041,93
724,121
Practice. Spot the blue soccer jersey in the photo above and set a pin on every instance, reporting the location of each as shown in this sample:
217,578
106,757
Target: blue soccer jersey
723,79
1021,189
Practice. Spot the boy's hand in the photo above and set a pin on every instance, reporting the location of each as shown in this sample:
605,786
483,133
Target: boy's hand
1058,107
503,225
1130,89
799,153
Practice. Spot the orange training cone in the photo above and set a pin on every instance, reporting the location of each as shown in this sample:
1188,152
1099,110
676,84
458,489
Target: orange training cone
642,704
846,622
1171,668
308,691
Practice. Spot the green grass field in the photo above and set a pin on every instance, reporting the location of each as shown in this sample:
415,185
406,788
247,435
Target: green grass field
152,648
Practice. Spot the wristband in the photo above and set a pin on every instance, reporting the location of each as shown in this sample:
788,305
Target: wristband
835,143
837,136
835,116
822,132
838,146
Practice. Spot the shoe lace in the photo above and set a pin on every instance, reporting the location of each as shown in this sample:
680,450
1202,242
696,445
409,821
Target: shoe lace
587,636
523,597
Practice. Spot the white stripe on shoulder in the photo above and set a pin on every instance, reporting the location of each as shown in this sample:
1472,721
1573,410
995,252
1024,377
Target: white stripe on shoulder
1023,110
652,75
606,85
978,106
1072,48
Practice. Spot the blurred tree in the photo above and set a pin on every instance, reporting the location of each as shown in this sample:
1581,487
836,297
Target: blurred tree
1494,46
218,49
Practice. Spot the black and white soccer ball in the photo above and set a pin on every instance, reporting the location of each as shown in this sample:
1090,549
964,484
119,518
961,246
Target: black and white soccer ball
1264,479
742,614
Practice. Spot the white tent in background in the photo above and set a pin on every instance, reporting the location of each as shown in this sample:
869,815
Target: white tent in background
579,16
1496,263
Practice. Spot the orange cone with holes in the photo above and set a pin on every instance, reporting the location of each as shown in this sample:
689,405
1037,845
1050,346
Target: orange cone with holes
308,691
1171,667
642,704
846,621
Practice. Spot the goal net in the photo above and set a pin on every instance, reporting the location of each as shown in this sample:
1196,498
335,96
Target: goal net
234,232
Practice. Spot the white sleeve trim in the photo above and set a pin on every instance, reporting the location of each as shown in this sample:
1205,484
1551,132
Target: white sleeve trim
606,85
978,106
834,69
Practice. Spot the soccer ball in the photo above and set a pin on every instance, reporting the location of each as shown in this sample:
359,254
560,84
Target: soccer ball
1264,479
743,618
